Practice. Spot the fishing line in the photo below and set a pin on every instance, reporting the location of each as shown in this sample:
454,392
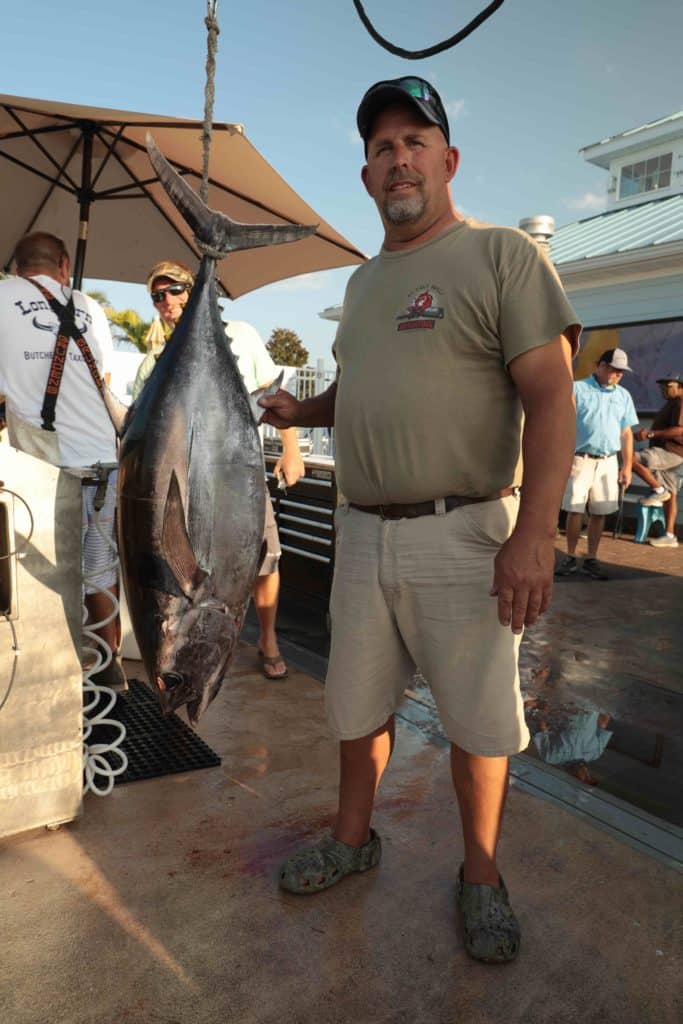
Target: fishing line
6,615
17,652
447,44
18,551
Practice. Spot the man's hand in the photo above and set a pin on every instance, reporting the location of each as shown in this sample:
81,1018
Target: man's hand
641,434
282,410
523,579
625,478
291,466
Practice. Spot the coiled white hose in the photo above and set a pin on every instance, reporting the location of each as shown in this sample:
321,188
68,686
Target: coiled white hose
99,775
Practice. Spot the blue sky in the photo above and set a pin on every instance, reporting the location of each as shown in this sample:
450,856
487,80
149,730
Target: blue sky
539,80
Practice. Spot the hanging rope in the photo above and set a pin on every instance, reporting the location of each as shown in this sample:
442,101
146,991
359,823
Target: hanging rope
211,47
439,47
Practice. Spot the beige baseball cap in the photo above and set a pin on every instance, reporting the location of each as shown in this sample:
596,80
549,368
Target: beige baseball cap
173,271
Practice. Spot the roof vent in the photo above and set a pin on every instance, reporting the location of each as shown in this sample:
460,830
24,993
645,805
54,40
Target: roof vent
541,228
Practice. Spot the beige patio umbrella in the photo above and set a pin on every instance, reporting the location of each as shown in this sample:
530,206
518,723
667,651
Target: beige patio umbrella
82,173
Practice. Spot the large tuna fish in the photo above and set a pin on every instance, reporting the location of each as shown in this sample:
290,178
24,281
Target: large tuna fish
191,481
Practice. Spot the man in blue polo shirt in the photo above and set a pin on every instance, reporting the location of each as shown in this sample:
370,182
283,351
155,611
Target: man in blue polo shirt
605,415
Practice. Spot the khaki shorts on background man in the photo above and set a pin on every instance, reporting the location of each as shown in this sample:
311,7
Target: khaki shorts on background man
415,592
592,482
664,465
271,558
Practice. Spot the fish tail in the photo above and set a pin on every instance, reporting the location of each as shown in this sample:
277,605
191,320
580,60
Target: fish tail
214,231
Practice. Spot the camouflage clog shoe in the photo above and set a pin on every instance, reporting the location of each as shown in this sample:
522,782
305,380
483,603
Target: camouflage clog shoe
325,863
492,932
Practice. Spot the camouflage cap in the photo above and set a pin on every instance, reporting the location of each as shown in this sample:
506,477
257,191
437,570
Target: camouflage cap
173,271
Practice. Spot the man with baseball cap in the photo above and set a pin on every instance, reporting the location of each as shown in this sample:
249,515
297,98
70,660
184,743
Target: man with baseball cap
605,414
169,284
661,464
454,344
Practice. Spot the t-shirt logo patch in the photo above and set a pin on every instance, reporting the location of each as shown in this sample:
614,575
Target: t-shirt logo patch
422,311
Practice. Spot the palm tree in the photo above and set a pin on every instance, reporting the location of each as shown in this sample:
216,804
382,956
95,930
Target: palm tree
130,326
127,325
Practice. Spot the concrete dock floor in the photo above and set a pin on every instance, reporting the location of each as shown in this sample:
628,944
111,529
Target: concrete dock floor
160,905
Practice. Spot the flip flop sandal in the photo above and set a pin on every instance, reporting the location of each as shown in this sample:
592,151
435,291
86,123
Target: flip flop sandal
324,864
492,931
273,661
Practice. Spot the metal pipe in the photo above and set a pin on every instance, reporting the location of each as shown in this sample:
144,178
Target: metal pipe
85,197
541,228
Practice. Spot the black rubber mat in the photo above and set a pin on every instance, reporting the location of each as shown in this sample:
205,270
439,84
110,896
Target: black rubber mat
154,744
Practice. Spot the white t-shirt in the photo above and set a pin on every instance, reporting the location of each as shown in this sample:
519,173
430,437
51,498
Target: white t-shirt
28,331
253,359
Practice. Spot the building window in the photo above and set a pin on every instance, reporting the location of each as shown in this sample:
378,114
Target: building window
645,176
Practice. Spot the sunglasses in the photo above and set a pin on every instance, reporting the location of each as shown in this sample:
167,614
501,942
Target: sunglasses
171,289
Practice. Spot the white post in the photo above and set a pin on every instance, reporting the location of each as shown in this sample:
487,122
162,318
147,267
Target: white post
320,436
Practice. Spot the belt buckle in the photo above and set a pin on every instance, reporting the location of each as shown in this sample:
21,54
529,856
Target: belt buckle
381,512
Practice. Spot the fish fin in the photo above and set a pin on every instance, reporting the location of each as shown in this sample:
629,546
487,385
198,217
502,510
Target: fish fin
176,543
258,410
211,228
116,409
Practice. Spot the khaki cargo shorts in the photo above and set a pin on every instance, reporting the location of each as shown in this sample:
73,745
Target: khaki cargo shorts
413,593
593,483
271,558
666,466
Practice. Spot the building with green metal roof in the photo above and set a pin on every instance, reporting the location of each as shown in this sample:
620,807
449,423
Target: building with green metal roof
623,269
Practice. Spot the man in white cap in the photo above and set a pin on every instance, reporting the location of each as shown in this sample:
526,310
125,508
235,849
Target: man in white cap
661,464
169,284
605,415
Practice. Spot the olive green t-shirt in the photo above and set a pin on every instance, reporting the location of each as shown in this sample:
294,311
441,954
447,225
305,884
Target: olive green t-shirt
426,406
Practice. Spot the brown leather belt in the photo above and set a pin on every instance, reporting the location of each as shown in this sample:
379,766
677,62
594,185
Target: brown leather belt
589,455
428,508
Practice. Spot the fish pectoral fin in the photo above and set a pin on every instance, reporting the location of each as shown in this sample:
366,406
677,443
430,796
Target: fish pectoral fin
176,544
258,410
119,413
214,229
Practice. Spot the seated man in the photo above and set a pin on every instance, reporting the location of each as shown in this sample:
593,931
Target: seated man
660,465
83,434
169,284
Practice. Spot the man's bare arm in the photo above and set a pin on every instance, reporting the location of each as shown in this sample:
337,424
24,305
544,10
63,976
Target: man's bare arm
290,464
283,410
523,575
625,472
663,434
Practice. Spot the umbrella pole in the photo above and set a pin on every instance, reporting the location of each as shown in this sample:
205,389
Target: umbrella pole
84,196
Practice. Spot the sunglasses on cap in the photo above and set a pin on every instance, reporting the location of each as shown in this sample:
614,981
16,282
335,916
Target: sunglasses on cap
170,289
424,95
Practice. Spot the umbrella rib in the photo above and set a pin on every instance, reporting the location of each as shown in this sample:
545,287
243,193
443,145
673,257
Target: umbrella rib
46,153
45,130
153,201
53,185
110,147
27,167
115,193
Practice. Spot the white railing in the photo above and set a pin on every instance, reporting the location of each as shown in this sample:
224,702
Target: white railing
305,382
